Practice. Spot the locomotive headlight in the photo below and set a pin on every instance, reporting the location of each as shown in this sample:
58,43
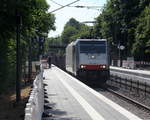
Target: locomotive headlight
82,66
104,66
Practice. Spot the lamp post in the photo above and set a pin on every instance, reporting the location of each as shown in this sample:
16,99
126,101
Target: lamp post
121,48
18,23
29,60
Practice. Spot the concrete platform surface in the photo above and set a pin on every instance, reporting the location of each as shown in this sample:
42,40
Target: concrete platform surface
136,75
72,100
144,73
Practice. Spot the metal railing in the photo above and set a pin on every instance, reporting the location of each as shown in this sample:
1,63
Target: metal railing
130,84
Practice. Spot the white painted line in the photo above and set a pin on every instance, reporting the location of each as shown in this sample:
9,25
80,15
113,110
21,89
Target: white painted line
131,75
115,106
87,107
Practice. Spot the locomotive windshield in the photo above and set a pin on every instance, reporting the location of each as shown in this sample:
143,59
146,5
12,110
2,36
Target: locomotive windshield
92,46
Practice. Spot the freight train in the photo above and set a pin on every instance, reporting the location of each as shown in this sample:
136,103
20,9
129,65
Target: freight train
88,58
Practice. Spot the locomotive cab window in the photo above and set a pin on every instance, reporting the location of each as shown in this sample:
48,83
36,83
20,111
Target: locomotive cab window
92,47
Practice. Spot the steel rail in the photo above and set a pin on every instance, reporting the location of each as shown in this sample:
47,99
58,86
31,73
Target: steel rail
129,99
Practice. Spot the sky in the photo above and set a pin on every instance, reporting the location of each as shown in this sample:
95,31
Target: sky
80,14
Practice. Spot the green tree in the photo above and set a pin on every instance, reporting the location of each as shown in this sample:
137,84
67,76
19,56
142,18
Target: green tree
34,16
117,23
73,30
141,47
73,23
68,32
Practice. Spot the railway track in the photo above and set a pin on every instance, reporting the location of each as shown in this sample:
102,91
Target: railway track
138,104
117,95
124,97
128,102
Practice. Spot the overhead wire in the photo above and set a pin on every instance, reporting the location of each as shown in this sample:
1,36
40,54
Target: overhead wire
64,6
56,3
80,6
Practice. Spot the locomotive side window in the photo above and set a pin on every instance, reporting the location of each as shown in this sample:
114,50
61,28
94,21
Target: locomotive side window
93,47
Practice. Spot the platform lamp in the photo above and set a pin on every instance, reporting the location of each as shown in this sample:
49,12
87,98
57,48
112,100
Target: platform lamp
121,48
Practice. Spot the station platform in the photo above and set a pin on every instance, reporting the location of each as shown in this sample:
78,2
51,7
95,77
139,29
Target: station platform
142,76
70,99
142,73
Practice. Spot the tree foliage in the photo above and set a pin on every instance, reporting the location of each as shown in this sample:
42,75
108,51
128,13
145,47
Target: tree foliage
35,20
73,30
122,22
125,22
141,47
67,34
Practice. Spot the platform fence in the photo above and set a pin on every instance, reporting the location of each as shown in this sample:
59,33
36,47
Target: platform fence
131,85
35,106
131,64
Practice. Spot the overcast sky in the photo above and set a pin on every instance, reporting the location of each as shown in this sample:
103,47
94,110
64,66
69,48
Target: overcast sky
80,14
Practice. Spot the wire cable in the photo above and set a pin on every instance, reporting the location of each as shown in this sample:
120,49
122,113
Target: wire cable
81,6
64,6
56,3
